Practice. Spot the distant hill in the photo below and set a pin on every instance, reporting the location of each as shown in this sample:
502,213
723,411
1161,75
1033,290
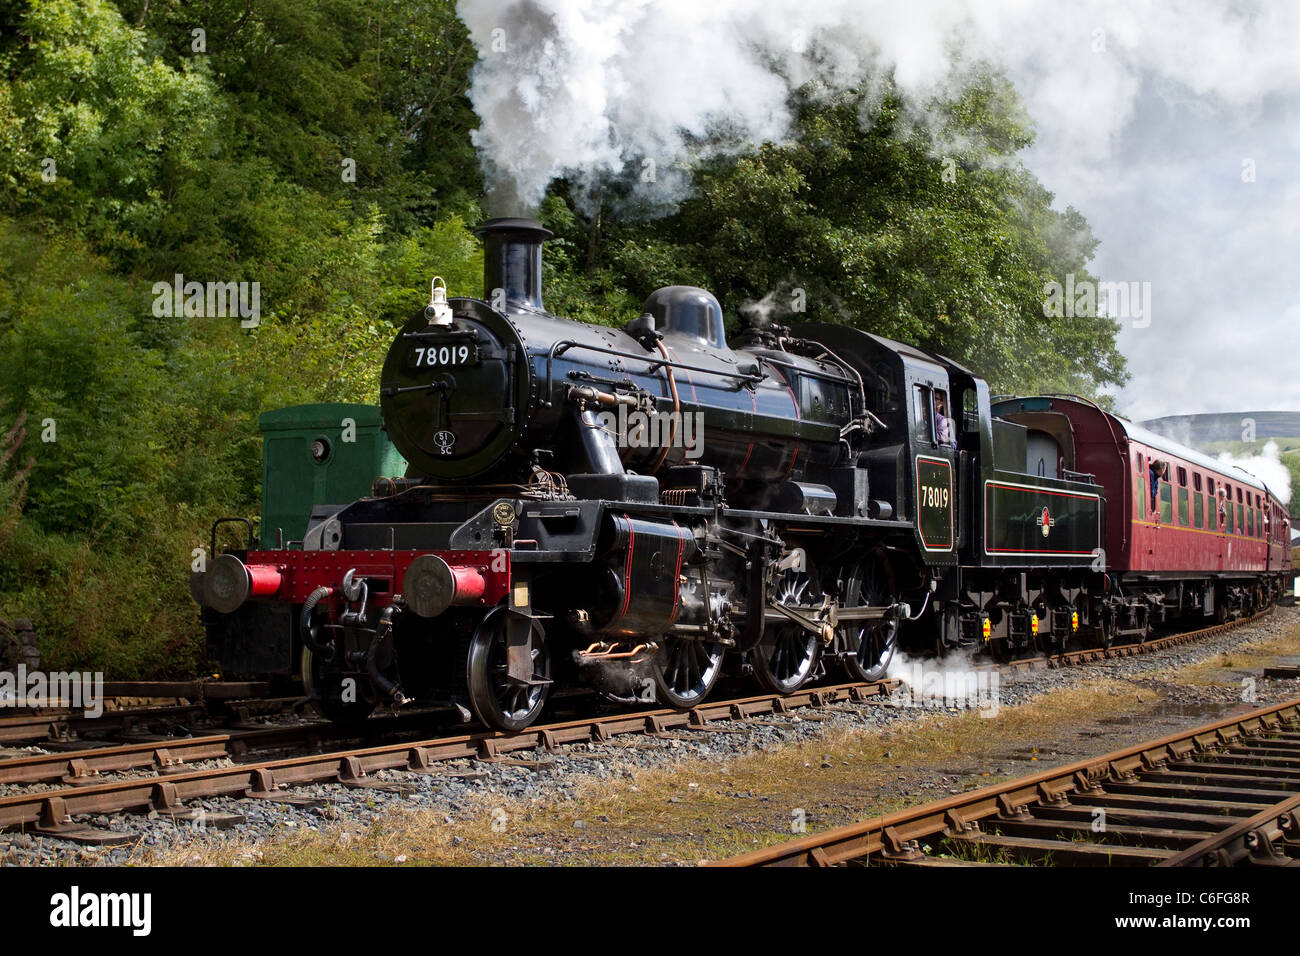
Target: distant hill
1201,430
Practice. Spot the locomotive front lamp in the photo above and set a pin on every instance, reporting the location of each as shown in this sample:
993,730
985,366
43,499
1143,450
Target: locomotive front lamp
438,312
1074,621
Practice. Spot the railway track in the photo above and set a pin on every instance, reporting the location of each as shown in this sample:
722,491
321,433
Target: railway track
51,812
212,706
158,775
1223,794
192,704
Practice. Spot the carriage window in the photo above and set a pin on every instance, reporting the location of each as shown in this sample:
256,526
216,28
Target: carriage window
1182,477
1250,522
1198,510
1239,494
1196,481
1166,502
1182,506
1241,516
1140,492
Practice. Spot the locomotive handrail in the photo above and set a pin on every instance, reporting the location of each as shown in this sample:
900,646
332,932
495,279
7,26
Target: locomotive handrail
560,346
212,541
811,373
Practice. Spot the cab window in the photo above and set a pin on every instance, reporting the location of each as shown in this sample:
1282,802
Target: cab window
921,426
970,412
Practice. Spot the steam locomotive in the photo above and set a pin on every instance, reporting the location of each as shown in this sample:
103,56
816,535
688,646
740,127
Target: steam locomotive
635,510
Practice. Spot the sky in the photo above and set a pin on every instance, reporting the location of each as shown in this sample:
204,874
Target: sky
1173,126
1196,191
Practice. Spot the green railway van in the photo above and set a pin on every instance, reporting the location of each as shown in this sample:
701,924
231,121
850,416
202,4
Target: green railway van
314,455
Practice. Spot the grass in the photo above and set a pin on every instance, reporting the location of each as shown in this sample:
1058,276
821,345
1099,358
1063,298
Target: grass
1247,656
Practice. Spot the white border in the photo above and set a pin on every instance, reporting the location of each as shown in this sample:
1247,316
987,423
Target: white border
952,502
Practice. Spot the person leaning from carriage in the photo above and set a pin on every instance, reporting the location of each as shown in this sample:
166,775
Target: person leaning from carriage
945,430
1158,470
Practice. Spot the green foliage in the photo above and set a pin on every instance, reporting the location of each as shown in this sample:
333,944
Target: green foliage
1292,461
116,129
13,478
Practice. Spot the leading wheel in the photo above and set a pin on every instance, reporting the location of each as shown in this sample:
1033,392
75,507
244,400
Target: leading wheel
869,645
786,657
497,699
685,671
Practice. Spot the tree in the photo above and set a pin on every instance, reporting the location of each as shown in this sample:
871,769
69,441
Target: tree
931,234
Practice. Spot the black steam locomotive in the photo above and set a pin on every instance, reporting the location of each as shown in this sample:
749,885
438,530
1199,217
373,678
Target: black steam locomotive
634,510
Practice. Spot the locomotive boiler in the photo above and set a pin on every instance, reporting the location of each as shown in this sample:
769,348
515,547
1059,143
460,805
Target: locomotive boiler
488,390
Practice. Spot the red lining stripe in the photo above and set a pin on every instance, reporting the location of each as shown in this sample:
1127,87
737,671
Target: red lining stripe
627,572
689,381
988,514
753,406
952,522
1034,551
677,577
1030,489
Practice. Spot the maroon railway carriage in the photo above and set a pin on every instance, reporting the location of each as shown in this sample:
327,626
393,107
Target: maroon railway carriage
1186,535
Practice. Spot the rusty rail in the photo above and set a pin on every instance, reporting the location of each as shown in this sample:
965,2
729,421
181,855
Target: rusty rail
1220,794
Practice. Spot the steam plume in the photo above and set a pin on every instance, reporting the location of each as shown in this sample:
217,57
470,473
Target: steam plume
590,88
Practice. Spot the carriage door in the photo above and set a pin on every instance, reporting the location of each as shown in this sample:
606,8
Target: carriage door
934,487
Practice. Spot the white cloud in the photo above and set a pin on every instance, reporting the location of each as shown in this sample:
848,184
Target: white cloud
1145,113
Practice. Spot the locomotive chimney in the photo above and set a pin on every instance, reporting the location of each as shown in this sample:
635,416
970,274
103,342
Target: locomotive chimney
512,263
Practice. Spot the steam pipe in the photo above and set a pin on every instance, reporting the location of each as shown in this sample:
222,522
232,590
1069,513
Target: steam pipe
308,631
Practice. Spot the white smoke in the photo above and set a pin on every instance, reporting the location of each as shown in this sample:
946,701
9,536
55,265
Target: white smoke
589,88
1267,467
953,681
